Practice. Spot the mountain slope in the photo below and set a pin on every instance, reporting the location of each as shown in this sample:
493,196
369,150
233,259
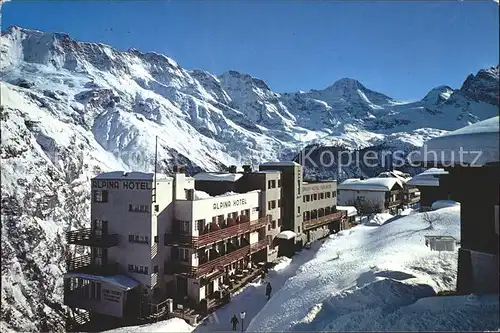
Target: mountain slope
72,109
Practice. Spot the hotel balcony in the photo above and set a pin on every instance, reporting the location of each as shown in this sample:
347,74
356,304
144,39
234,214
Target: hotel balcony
316,222
85,237
240,228
218,263
83,264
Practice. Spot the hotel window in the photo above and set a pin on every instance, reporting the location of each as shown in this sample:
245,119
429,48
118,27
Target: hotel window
268,227
298,229
279,202
304,198
334,194
298,210
271,204
100,196
321,196
157,208
315,196
328,194
200,224
184,227
279,182
95,290
184,255
279,222
273,223
138,208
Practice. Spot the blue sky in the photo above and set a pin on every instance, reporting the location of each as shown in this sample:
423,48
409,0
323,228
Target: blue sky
402,49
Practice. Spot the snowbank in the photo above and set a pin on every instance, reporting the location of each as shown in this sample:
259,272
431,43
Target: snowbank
444,204
377,220
281,263
380,271
170,325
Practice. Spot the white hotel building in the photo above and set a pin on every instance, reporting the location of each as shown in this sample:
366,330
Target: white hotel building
151,239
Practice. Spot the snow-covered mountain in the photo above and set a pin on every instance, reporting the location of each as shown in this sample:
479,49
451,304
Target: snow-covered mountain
71,109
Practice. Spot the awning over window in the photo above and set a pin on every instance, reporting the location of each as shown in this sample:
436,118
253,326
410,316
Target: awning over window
287,234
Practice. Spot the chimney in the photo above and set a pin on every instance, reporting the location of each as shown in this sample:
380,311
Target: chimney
232,169
247,168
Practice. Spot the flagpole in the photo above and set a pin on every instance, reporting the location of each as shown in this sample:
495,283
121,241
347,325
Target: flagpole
156,163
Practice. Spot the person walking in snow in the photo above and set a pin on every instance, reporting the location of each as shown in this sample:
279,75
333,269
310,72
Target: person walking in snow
268,290
234,321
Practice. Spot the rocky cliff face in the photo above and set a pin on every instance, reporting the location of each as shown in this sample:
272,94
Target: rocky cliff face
70,110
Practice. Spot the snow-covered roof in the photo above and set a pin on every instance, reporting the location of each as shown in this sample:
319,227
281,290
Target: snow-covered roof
121,281
281,163
133,175
403,177
370,184
351,210
429,177
476,144
444,204
217,176
287,234
199,195
268,171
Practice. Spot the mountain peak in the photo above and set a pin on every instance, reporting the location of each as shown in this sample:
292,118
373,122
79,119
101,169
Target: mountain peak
234,75
438,94
346,83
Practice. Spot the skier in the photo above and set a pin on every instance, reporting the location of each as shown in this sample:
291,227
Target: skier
234,321
268,290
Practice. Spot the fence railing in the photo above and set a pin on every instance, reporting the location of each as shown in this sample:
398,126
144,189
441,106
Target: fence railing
216,235
87,238
84,264
218,263
313,223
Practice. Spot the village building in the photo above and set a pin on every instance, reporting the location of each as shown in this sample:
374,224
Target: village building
308,208
429,187
372,195
471,157
411,194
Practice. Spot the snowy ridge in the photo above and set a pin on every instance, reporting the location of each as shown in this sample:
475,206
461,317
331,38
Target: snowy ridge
71,110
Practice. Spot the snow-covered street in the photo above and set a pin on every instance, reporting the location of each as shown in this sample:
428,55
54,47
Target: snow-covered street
252,298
